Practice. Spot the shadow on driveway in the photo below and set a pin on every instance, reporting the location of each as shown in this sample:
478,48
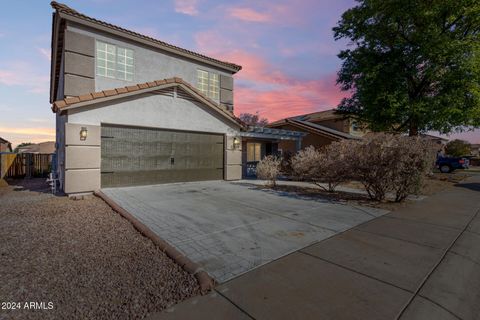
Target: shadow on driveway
471,186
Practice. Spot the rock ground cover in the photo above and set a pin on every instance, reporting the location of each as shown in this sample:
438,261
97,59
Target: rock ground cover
84,258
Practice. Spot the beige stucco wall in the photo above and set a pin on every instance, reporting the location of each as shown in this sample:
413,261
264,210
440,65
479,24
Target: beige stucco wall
233,167
82,159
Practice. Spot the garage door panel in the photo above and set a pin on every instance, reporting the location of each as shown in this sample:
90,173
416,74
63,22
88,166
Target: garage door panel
140,156
138,178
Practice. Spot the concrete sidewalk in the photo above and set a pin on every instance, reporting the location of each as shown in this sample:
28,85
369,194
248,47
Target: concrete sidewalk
419,262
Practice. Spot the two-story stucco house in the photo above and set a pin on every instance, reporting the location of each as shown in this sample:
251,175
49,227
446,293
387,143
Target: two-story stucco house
133,110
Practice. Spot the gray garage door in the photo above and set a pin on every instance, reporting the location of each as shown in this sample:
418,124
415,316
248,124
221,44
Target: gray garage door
141,156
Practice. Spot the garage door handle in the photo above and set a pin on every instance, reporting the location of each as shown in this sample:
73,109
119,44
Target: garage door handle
172,161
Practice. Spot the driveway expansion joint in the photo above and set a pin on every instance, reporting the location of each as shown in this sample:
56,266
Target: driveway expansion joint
353,270
447,250
440,306
388,215
282,216
395,238
234,304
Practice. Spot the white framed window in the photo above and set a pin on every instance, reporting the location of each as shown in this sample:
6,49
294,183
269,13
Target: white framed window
208,83
114,62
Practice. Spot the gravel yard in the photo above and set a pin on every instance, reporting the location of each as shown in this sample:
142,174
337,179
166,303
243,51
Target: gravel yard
84,257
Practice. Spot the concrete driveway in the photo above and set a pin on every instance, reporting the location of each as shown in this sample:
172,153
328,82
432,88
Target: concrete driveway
230,228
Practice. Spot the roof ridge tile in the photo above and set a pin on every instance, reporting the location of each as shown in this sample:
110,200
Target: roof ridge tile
61,104
60,7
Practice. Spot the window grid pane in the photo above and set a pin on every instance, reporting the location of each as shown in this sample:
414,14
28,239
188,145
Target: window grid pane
124,64
214,86
202,81
113,62
105,60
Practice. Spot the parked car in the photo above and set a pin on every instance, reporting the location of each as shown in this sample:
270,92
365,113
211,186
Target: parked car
449,164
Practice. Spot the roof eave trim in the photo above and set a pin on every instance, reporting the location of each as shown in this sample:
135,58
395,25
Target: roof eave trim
326,133
81,21
147,90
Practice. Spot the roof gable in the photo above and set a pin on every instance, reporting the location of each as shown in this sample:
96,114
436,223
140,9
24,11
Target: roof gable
117,93
69,13
314,127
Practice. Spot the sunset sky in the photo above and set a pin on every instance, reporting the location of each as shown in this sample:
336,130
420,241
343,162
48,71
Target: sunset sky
286,49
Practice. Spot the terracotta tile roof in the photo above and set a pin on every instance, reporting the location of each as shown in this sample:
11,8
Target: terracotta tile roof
315,116
60,7
3,140
314,127
59,105
323,129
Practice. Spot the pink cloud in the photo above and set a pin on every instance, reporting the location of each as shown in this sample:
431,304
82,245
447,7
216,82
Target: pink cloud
248,14
45,53
294,98
188,7
264,87
20,74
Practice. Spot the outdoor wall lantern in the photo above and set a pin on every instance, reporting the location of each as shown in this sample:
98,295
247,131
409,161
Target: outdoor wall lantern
236,143
83,134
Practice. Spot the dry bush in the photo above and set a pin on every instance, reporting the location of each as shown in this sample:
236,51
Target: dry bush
269,169
323,166
286,164
416,161
383,163
386,163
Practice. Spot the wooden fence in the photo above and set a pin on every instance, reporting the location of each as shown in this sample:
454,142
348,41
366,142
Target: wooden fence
25,165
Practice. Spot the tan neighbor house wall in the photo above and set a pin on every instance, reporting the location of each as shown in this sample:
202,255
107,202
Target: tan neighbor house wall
342,125
311,139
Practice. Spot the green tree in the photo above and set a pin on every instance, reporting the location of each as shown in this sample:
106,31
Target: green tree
458,148
412,65
23,144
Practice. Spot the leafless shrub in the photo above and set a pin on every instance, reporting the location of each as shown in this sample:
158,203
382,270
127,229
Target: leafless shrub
383,163
286,164
386,163
269,169
323,166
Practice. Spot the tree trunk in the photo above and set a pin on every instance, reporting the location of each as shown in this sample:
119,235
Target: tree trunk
413,129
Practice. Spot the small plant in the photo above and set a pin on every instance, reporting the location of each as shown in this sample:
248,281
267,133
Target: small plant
269,169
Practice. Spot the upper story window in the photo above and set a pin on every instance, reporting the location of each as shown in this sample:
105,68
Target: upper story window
114,62
208,83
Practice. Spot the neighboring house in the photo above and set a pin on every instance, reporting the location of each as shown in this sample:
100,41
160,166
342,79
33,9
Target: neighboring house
475,149
437,140
321,128
42,147
5,146
132,110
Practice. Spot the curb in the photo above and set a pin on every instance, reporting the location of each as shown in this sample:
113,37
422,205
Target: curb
206,282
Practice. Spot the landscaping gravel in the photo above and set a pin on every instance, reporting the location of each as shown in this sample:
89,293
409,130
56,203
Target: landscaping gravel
84,258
